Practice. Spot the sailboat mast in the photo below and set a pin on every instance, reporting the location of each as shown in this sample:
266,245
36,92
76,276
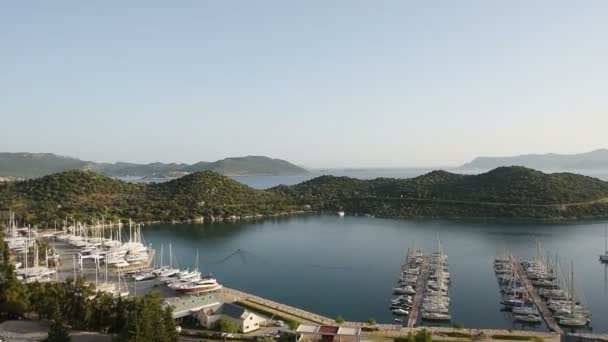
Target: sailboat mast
572,287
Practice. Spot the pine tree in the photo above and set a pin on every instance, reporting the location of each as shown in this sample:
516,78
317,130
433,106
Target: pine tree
169,325
58,332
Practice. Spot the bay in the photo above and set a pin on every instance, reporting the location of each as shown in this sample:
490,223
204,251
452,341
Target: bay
348,266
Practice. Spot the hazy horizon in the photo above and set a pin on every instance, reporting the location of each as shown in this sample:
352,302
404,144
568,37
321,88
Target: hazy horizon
341,84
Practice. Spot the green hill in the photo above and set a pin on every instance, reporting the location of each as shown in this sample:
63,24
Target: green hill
86,195
503,192
32,165
506,192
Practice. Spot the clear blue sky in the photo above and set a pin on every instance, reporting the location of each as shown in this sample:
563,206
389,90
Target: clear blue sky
320,83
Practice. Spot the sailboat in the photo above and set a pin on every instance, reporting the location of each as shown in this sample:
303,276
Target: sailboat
197,284
604,257
167,272
574,318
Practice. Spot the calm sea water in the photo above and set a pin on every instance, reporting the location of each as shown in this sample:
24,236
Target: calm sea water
348,266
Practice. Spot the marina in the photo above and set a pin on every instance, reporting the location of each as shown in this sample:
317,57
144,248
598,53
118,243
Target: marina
420,287
423,288
177,265
540,304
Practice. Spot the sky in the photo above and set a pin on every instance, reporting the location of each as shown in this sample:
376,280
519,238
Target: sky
325,83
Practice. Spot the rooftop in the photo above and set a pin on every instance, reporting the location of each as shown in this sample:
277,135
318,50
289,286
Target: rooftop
187,305
231,310
328,330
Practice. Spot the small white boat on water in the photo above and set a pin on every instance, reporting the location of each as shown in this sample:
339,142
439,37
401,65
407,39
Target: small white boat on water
525,310
341,213
432,316
527,318
144,276
207,284
573,321
400,312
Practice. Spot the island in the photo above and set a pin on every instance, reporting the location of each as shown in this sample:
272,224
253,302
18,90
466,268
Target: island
505,192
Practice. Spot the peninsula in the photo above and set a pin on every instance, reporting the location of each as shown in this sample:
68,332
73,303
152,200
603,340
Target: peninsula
506,192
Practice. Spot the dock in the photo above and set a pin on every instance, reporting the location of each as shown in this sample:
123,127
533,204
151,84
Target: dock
421,284
236,295
540,304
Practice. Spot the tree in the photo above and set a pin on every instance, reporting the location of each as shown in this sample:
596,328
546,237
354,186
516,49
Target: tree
120,316
293,325
146,320
339,319
423,336
102,312
58,332
169,324
371,321
265,339
78,309
14,299
227,325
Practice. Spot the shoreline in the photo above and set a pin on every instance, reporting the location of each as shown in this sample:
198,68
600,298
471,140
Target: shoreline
476,219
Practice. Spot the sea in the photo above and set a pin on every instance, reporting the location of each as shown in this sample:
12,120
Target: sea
348,265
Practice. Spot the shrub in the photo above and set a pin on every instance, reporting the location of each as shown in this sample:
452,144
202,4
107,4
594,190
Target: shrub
457,334
227,325
513,337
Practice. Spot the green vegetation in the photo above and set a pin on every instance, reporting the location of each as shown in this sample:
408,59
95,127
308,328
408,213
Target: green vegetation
372,321
507,192
339,319
76,304
513,337
31,165
58,332
226,325
85,195
457,334
265,339
512,192
251,165
420,336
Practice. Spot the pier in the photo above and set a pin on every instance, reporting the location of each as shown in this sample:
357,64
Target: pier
299,314
540,304
421,284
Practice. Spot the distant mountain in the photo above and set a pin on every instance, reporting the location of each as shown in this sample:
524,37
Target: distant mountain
250,165
32,165
597,159
29,165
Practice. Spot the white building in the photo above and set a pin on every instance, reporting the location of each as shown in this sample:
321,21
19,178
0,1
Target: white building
246,320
